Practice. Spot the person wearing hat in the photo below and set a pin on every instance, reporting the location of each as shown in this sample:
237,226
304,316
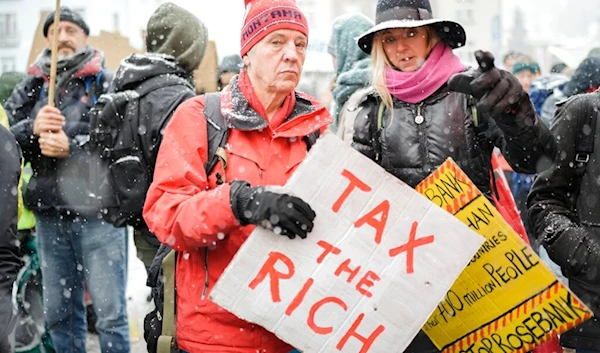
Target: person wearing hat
421,108
207,218
75,246
526,72
176,42
230,66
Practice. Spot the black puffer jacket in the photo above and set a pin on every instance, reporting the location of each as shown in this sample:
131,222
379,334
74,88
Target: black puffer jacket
59,184
564,205
411,148
10,169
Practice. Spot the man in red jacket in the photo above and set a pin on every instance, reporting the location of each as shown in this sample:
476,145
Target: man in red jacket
206,218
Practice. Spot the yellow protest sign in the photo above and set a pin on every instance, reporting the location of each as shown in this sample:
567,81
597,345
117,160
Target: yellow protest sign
507,299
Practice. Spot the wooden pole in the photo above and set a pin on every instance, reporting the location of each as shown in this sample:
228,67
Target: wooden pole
52,82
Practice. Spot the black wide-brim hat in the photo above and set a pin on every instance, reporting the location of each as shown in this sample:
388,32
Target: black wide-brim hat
410,14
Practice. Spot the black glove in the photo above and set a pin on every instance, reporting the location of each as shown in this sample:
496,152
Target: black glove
284,214
498,92
576,251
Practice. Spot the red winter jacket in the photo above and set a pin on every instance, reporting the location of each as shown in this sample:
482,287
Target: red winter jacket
190,213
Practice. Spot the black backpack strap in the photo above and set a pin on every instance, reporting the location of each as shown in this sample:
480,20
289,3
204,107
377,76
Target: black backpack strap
375,116
311,139
480,125
95,86
586,131
217,132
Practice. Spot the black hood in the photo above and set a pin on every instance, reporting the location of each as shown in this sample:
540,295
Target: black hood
138,68
586,77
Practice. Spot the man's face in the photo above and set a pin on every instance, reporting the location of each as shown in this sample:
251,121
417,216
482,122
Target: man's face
275,63
71,39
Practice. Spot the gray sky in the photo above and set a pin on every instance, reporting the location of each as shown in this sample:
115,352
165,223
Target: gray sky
546,17
223,18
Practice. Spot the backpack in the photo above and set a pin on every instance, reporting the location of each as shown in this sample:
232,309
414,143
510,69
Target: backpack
159,324
124,174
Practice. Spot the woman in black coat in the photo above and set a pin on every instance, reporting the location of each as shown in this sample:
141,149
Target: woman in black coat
416,116
424,106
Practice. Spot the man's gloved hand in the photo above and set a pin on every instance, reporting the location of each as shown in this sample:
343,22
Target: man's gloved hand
577,251
498,92
284,214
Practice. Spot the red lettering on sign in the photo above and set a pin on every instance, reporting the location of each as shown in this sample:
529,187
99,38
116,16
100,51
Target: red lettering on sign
367,281
299,297
269,269
313,310
378,224
354,183
345,267
328,249
367,341
410,246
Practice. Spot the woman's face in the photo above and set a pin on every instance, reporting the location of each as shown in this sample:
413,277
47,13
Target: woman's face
406,48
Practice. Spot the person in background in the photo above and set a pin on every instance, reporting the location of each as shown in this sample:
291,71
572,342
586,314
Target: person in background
176,42
351,67
230,66
564,212
75,245
8,81
10,263
271,127
559,68
512,57
421,111
586,79
526,72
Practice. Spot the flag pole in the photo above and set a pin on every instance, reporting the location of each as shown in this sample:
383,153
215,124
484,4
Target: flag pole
52,82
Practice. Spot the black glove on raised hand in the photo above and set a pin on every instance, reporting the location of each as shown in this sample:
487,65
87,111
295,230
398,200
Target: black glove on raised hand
498,92
576,251
284,214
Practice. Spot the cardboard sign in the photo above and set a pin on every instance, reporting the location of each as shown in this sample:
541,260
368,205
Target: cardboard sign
507,299
377,263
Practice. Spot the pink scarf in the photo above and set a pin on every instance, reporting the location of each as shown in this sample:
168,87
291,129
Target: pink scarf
414,87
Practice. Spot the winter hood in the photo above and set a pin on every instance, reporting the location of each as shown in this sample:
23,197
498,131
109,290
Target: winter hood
138,68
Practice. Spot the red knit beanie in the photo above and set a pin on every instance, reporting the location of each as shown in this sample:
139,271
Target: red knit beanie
265,16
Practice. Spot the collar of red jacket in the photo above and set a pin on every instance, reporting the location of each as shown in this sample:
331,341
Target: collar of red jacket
243,111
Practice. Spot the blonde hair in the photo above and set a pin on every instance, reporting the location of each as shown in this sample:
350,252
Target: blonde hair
380,62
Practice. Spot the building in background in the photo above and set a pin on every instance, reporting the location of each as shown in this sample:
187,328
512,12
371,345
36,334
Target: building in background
482,20
19,19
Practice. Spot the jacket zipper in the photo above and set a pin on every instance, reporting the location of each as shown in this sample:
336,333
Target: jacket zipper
205,289
420,121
